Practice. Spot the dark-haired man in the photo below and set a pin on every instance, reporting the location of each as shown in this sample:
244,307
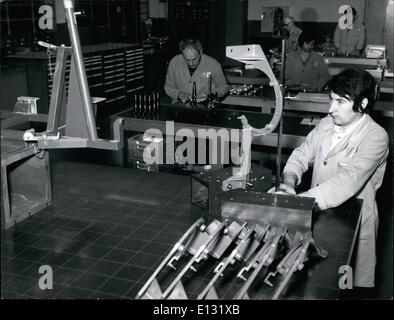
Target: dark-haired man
191,67
304,67
348,151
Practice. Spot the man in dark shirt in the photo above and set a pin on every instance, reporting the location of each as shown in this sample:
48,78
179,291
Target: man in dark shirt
304,67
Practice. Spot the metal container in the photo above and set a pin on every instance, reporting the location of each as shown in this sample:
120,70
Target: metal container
153,148
25,182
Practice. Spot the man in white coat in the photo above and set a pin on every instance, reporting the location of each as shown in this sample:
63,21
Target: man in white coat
348,151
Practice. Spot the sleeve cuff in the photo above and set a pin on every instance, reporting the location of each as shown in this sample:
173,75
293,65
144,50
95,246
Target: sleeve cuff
293,169
319,199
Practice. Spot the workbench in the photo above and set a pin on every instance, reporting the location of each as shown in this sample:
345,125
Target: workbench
304,103
373,66
294,132
387,85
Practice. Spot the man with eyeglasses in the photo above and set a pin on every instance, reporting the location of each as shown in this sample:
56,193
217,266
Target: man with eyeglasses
192,69
294,33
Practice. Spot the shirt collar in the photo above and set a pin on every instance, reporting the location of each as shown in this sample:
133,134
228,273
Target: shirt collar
339,129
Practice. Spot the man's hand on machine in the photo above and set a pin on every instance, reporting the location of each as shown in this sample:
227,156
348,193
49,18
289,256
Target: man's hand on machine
283,189
213,96
183,97
287,186
207,97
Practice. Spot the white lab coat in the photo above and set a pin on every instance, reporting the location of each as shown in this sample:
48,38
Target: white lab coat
354,167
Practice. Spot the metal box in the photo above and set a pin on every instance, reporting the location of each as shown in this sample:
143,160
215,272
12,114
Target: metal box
154,150
25,181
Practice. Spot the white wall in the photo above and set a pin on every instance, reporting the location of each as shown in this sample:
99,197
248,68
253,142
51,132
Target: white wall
306,10
157,9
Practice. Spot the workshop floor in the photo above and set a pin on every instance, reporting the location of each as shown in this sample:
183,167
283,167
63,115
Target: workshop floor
104,235
102,242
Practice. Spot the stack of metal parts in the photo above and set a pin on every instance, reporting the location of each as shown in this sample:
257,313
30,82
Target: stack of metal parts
246,90
146,106
257,250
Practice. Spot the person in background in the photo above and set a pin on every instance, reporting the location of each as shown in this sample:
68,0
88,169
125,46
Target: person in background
350,42
348,150
191,68
294,33
304,68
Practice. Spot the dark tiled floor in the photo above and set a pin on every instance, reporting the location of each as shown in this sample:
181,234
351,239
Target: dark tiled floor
101,235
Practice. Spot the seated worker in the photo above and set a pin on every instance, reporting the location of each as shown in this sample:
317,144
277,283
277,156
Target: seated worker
294,33
192,66
349,41
348,151
304,67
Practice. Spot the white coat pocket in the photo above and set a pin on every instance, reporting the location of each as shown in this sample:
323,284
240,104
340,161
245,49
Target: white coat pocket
344,164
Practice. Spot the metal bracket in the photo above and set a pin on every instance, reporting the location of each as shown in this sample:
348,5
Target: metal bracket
27,105
254,58
31,136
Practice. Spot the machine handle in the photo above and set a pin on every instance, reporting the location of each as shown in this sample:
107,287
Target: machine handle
47,45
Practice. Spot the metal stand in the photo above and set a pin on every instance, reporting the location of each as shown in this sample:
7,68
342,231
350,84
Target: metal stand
72,125
280,130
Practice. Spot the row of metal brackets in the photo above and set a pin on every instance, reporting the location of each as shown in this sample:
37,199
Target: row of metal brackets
256,247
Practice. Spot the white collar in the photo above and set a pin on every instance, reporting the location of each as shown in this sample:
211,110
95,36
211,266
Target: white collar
339,129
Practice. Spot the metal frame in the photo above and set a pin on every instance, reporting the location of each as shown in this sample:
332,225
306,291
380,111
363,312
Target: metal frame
254,58
79,129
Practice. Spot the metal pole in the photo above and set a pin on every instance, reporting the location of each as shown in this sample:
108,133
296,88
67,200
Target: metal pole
366,4
8,20
32,15
80,69
280,129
